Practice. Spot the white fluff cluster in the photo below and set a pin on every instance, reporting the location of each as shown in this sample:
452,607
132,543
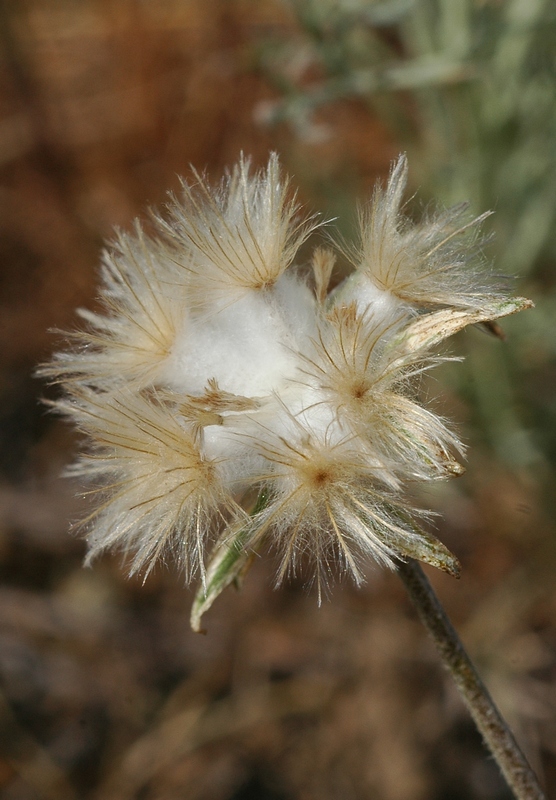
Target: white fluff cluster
228,398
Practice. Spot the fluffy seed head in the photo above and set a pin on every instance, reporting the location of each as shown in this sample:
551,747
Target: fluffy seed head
426,264
213,374
361,371
158,491
144,308
318,492
243,236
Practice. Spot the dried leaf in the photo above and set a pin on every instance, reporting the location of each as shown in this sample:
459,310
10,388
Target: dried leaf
431,329
430,550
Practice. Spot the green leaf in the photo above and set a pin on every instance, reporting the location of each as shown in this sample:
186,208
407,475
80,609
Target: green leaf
229,562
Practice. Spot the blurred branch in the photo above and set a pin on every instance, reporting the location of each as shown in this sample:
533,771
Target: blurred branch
494,729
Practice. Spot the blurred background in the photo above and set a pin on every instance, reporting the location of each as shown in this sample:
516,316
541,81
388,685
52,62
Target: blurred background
105,693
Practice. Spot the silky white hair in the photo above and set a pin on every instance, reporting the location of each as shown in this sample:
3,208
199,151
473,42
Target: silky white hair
214,374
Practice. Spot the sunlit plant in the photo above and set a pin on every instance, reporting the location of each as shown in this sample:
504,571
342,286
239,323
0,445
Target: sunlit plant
232,401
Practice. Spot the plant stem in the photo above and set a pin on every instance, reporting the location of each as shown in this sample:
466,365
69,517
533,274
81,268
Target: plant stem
496,733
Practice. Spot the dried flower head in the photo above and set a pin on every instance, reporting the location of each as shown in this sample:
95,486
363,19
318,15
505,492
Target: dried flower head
227,405
434,263
243,236
145,303
159,493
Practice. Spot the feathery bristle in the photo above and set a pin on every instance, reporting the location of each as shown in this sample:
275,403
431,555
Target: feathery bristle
242,236
145,306
425,264
159,492
328,505
366,378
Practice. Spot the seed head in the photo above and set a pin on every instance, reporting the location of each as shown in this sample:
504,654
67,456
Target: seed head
213,376
434,263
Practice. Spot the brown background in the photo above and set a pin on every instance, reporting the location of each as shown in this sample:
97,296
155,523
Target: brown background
105,693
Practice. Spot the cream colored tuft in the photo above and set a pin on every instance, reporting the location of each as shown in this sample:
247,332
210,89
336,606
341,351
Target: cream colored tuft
434,262
213,375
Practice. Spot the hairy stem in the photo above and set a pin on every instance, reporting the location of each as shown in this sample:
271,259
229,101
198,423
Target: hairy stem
496,733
